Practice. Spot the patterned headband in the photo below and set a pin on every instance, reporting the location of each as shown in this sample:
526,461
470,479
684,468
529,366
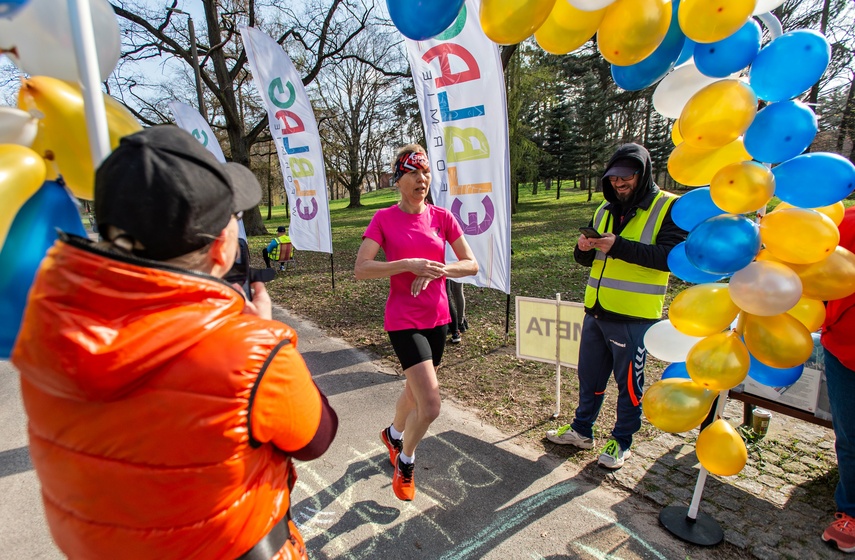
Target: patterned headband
410,162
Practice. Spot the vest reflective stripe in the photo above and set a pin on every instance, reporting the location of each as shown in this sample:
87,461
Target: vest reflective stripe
624,288
281,240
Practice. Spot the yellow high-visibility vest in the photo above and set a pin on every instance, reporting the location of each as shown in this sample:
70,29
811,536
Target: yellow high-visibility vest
281,240
622,287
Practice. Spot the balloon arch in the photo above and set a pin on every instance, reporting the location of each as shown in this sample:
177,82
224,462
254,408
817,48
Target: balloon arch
760,279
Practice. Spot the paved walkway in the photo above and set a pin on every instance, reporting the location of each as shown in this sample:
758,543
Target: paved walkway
776,508
484,494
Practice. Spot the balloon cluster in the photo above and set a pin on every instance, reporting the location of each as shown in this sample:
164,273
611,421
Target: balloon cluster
782,265
781,270
45,159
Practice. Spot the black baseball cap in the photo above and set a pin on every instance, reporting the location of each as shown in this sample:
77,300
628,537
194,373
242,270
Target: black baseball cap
281,229
623,167
168,193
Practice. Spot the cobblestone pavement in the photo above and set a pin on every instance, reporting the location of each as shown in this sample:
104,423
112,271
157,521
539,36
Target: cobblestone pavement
776,508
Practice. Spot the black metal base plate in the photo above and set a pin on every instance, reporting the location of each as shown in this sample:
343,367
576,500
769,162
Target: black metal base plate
703,531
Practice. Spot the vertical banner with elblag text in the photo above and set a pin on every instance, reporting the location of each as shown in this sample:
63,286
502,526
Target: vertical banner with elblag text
189,119
295,134
461,92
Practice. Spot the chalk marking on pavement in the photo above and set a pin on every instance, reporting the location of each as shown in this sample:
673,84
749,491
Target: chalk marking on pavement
625,529
509,519
596,553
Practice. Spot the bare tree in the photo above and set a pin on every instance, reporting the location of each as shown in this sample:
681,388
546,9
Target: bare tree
319,33
356,99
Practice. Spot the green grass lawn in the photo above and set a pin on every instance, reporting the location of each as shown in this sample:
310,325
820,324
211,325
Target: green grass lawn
483,372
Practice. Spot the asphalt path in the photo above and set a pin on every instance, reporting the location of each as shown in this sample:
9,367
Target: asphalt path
479,494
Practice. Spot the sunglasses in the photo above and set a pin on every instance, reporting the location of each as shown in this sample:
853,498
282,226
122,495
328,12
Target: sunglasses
614,179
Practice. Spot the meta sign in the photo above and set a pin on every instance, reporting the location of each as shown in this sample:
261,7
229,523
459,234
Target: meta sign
461,93
294,129
549,330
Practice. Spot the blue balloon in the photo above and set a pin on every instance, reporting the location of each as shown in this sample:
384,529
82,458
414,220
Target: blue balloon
33,231
680,267
723,244
731,54
676,370
653,68
693,208
780,131
687,53
773,377
8,8
789,65
816,179
420,20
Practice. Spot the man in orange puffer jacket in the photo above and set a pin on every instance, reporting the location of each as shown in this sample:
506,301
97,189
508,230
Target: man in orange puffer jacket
164,409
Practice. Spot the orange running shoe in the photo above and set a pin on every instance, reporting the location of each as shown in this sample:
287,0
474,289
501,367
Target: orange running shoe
402,481
841,532
393,445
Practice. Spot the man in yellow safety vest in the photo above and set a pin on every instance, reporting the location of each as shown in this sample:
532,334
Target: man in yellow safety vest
272,251
628,256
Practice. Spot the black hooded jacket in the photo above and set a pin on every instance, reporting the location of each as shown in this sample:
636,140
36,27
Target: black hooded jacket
650,256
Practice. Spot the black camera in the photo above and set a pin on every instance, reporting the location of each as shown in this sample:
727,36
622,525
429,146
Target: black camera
243,275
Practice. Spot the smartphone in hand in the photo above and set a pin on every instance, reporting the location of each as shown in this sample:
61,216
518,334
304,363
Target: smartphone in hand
590,232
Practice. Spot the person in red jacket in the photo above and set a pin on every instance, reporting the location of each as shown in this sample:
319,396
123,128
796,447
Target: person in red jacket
838,340
165,409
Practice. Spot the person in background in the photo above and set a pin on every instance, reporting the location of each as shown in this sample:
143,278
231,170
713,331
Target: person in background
272,251
164,408
838,341
624,296
457,309
413,235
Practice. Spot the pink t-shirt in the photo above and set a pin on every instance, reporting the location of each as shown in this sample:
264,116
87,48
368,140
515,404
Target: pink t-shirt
414,236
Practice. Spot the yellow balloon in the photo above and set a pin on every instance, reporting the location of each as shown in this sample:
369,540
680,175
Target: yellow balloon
632,29
695,167
509,22
828,279
779,341
62,130
718,114
834,211
718,362
703,310
742,187
708,21
809,312
799,235
676,135
720,449
676,405
22,172
567,28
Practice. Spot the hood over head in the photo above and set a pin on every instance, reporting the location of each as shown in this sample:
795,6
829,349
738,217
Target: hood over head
627,159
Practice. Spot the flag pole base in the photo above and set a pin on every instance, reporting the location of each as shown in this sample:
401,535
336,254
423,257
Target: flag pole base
703,531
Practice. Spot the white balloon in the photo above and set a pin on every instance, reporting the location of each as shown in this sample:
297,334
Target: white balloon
40,34
590,5
17,127
765,288
764,6
665,342
675,89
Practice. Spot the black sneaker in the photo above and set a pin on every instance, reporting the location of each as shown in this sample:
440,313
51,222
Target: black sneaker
455,338
464,326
